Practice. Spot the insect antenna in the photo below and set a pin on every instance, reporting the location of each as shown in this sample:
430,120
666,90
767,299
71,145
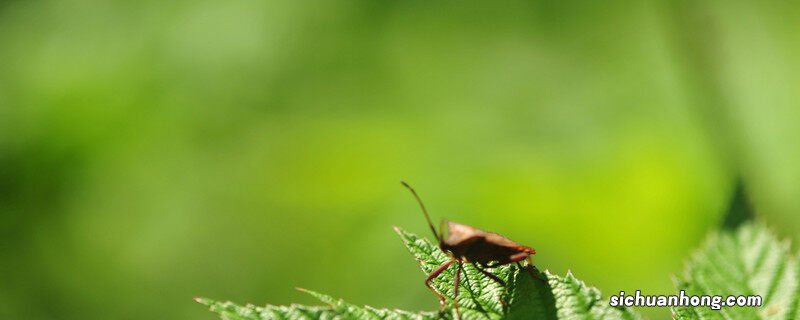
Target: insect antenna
421,205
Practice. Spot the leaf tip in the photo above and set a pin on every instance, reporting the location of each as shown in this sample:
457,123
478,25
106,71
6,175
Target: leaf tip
201,300
404,235
321,297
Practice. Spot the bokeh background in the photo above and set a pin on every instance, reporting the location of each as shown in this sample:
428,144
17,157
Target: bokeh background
154,151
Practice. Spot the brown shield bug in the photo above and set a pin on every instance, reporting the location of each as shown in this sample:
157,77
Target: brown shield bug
467,244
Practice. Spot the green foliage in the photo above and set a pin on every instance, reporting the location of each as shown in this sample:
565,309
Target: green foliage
528,293
747,261
231,311
335,309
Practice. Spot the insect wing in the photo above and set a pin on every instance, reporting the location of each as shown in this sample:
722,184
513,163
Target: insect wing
460,233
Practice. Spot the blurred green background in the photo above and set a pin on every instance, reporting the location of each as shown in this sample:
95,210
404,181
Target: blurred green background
154,151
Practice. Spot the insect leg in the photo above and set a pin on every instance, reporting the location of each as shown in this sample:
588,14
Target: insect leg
435,274
544,281
496,279
491,276
530,262
519,265
456,282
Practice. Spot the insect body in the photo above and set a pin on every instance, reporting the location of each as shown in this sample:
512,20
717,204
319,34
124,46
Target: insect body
467,244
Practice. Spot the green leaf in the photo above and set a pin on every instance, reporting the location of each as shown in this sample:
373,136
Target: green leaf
351,311
528,294
747,261
335,309
231,311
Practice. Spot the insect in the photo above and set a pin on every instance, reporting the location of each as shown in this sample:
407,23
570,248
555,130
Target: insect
467,244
